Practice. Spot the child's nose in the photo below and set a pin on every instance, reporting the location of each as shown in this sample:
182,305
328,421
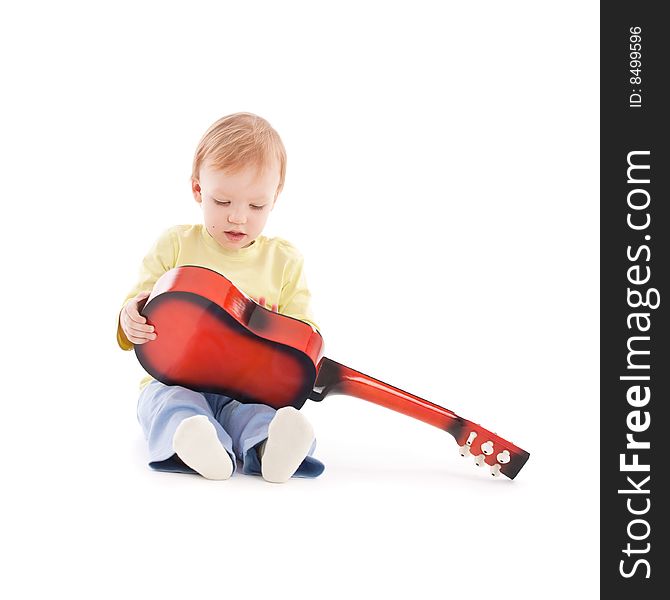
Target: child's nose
237,217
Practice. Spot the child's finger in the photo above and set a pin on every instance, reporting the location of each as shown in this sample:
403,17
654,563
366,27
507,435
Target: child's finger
132,307
134,315
146,332
137,341
141,328
132,312
135,337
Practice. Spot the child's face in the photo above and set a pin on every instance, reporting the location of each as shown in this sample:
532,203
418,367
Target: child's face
239,201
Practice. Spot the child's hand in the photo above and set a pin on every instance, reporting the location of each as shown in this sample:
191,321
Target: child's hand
134,324
261,301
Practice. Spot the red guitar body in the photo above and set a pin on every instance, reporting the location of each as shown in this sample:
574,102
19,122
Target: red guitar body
211,337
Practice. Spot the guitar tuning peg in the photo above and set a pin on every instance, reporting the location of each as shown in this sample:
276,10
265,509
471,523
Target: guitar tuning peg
487,448
495,470
479,460
503,457
464,450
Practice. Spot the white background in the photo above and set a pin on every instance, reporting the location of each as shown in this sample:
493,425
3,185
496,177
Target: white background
442,185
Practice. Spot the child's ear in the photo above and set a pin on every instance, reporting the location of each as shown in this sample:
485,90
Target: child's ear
197,192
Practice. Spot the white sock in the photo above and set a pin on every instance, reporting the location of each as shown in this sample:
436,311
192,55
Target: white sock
290,436
196,443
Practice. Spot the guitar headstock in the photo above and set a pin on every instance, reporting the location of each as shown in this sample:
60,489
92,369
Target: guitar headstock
489,448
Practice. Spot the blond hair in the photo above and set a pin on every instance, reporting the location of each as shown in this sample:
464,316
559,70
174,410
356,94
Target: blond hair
237,141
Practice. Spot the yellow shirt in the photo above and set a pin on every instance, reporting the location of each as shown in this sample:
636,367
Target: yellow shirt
270,267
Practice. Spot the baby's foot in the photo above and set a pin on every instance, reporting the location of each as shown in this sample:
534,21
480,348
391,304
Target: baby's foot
290,436
196,443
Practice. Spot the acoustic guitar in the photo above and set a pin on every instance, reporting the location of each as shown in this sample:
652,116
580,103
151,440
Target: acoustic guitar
212,337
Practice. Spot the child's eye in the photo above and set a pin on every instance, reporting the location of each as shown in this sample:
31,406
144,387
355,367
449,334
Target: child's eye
226,203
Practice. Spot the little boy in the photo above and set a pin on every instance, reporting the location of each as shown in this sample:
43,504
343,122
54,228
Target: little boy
238,173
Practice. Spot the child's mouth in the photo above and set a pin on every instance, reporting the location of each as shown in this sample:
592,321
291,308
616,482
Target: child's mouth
234,237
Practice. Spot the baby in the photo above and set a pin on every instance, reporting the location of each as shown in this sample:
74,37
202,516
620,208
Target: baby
238,173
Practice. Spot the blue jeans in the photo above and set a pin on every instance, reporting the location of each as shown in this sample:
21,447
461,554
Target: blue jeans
240,427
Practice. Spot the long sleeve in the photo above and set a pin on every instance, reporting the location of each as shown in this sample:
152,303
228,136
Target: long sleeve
295,295
161,258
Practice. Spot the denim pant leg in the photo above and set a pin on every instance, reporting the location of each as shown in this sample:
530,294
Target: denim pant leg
248,425
160,409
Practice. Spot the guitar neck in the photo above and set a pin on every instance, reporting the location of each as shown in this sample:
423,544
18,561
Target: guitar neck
335,378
